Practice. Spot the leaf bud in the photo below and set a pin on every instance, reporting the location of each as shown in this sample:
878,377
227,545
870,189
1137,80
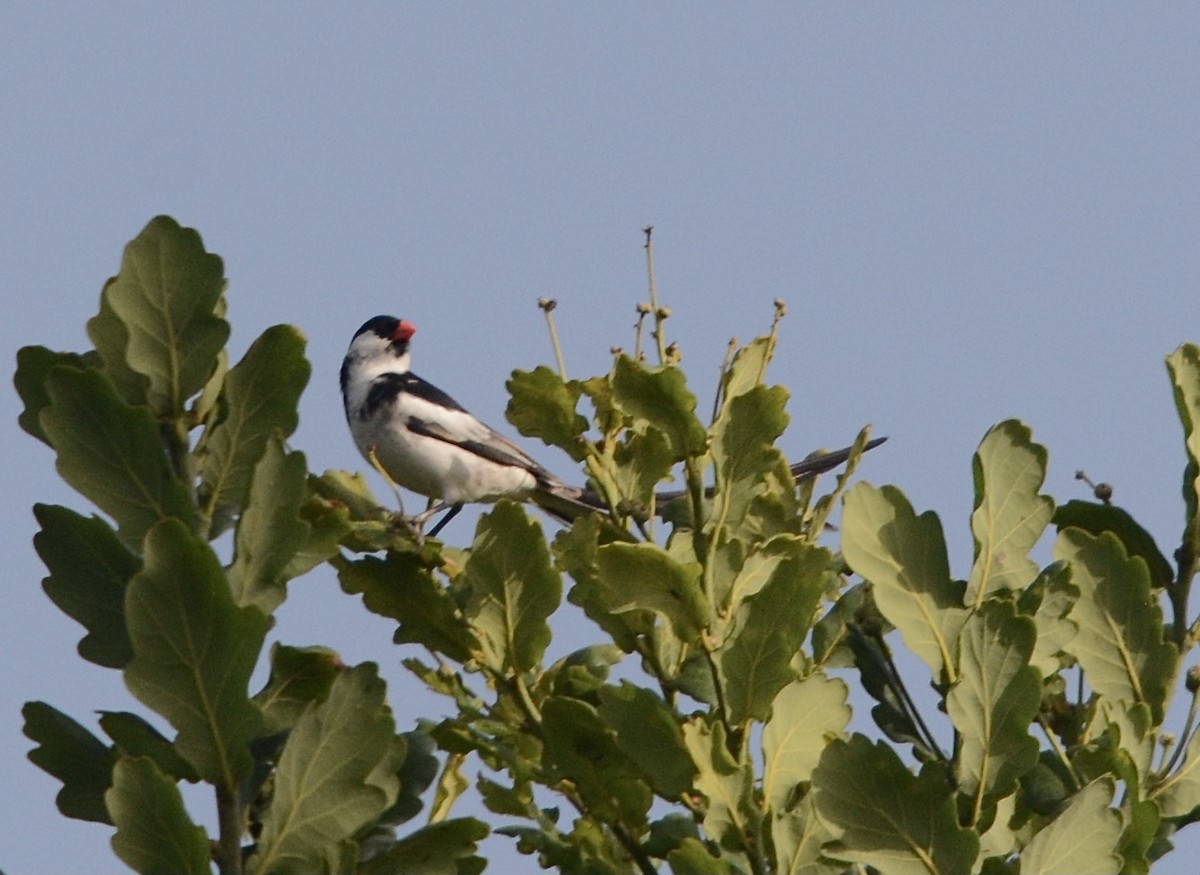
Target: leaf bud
1192,681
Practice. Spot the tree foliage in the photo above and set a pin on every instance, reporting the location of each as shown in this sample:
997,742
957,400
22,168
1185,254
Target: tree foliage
723,745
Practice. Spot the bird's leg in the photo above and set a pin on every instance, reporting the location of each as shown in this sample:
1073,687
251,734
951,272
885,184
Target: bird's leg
374,460
441,524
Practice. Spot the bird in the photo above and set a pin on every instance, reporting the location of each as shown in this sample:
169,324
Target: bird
420,438
427,442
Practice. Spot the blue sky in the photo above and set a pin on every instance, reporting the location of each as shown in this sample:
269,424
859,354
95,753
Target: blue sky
974,212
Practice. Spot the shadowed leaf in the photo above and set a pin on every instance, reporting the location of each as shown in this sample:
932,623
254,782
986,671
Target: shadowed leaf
887,817
299,675
134,737
89,569
165,296
511,589
1097,518
336,774
446,848
649,734
70,753
154,834
194,650
261,393
33,364
636,577
112,453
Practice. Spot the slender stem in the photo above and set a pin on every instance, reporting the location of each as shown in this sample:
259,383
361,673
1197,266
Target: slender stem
229,823
659,313
1184,739
1059,752
531,710
897,682
548,305
719,397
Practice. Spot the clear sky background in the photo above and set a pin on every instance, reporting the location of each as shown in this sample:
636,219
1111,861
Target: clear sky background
974,212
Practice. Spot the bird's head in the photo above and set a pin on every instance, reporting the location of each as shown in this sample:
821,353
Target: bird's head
380,346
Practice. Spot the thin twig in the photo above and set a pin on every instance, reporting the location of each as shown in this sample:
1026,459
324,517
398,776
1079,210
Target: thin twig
660,313
548,305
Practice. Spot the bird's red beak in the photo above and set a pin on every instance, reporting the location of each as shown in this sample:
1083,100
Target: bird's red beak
404,331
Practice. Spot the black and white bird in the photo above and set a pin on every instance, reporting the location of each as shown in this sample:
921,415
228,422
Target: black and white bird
427,442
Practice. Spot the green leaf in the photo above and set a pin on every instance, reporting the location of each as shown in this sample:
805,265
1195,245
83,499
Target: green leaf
194,650
579,747
89,569
904,556
511,589
745,460
747,370
260,397
1120,642
134,737
450,787
70,753
1178,793
328,525
693,858
543,406
1010,514
270,531
112,453
1097,518
994,702
636,577
399,586
804,717
33,364
154,834
640,461
659,395
1056,596
1183,365
799,836
648,733
446,848
887,817
772,624
336,774
1084,838
299,675
730,815
418,772
110,336
575,551
165,296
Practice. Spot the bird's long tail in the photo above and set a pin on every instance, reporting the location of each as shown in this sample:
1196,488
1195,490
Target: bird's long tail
568,503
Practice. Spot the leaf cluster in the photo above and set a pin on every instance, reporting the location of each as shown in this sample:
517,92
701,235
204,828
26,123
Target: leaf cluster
175,447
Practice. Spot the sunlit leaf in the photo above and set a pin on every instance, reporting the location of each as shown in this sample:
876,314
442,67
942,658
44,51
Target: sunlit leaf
1010,514
904,556
1084,838
744,458
154,834
542,405
995,701
730,816
805,716
637,577
799,836
1183,365
659,395
194,650
1055,596
1120,642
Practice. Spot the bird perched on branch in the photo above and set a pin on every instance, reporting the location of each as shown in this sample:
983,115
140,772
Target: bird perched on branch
424,440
